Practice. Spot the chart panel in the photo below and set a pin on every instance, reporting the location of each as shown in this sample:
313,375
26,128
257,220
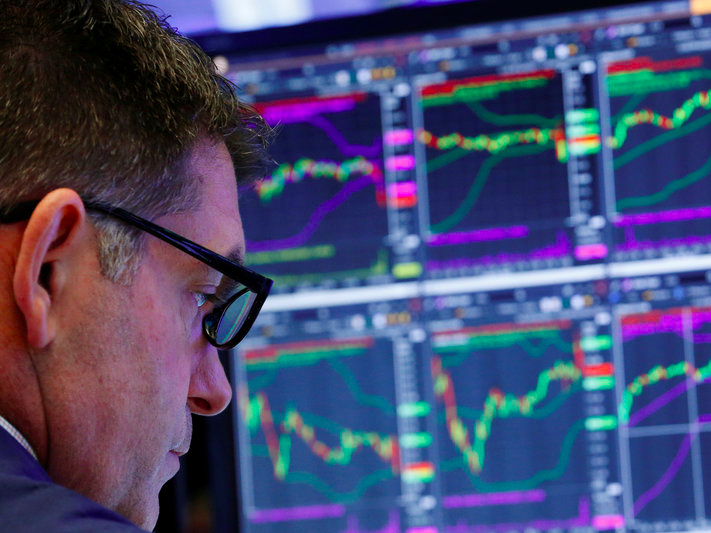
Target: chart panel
330,165
664,407
333,420
525,416
485,136
660,130
314,448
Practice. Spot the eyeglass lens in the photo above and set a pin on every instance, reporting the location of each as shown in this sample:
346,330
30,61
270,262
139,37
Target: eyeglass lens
229,320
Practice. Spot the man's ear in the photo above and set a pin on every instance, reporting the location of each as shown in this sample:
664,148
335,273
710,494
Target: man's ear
52,234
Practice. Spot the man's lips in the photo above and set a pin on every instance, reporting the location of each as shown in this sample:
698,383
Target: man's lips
182,448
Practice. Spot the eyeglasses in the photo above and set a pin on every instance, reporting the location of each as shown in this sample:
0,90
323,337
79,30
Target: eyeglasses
233,316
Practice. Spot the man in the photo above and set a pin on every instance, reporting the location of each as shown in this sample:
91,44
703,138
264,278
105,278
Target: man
114,133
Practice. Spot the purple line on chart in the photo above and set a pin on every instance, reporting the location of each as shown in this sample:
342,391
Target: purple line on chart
582,520
341,142
561,248
285,514
674,215
672,323
667,476
314,221
489,234
393,525
495,498
291,112
659,402
631,242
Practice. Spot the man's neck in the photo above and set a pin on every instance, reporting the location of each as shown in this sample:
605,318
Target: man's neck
12,430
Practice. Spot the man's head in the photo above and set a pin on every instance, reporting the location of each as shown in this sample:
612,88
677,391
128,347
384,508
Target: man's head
103,97
104,362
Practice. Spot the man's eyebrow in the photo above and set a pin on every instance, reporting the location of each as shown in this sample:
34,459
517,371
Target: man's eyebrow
236,256
228,285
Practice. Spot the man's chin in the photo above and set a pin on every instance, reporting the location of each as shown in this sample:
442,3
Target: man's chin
147,517
142,509
173,465
151,522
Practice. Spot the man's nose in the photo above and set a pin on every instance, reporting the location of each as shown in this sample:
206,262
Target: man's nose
210,391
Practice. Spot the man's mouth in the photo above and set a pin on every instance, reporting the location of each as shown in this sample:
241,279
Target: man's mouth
182,448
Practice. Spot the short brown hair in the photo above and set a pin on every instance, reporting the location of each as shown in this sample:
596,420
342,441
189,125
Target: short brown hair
104,97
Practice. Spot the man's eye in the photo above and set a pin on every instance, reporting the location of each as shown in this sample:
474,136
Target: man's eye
200,298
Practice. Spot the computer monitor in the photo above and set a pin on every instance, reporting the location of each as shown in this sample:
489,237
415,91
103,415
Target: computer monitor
491,252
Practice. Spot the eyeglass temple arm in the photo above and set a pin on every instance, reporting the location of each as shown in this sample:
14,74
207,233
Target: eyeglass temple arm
248,278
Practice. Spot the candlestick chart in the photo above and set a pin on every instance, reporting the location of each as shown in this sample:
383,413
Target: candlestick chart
660,127
300,220
513,438
664,406
321,421
484,138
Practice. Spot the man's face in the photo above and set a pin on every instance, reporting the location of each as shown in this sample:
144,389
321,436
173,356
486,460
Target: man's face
131,363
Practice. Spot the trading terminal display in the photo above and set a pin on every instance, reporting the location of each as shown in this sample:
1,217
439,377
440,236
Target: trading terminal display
492,255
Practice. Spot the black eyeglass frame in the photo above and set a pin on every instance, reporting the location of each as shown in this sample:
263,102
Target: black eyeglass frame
254,282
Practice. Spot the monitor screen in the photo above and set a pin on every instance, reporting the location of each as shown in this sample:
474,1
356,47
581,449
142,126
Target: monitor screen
215,16
491,247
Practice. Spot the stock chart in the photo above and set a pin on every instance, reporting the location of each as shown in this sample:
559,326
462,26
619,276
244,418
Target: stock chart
485,138
478,391
328,181
314,447
663,408
660,119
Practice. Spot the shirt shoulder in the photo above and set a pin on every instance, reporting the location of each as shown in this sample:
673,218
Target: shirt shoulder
30,502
